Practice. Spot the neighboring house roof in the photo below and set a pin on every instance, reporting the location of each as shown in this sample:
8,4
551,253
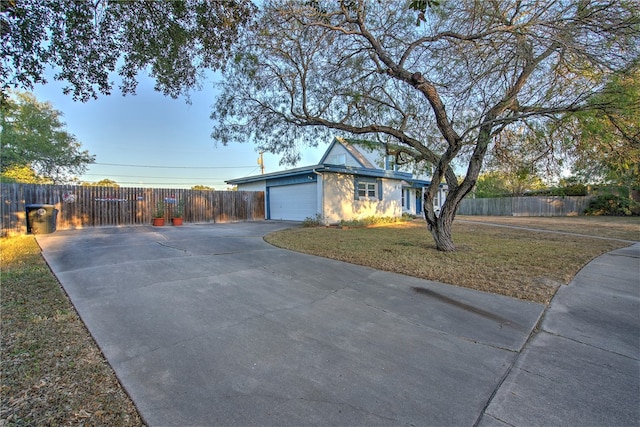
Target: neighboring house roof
366,169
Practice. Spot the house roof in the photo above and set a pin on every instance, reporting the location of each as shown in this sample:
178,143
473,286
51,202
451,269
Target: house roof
348,170
366,169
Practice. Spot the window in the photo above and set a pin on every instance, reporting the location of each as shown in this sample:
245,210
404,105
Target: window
338,159
367,189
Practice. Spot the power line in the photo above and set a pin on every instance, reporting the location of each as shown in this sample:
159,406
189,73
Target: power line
167,183
174,167
145,176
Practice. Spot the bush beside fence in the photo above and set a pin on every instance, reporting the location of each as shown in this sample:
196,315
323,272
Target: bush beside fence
81,207
525,206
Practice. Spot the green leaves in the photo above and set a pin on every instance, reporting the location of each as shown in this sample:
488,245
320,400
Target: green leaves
85,41
606,137
33,136
421,7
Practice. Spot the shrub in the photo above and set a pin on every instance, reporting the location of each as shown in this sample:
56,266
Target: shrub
570,190
316,221
370,220
611,205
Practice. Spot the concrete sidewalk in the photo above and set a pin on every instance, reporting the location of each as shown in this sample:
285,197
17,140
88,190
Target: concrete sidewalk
583,366
209,325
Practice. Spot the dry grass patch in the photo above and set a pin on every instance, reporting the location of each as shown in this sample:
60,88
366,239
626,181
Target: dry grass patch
614,227
514,262
52,371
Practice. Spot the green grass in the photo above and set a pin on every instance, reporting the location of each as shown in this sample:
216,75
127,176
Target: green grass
525,264
52,371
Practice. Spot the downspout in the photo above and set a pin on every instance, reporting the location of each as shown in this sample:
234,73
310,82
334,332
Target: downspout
320,179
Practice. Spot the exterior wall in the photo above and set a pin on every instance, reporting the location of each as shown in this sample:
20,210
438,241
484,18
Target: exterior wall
253,186
339,199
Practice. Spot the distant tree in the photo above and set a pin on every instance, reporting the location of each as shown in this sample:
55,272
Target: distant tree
570,186
490,184
513,183
85,40
102,183
34,136
22,174
203,188
441,92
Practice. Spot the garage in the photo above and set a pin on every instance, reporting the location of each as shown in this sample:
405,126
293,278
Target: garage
292,202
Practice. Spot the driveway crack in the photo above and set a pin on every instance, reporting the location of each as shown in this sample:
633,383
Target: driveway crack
166,245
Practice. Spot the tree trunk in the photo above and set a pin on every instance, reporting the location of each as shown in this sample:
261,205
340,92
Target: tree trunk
441,233
440,224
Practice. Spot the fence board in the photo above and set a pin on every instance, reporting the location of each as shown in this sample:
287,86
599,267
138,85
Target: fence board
80,206
525,206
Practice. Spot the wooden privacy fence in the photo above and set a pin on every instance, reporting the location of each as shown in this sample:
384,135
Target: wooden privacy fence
525,206
80,207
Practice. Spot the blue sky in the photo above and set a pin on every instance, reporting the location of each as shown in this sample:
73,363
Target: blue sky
149,129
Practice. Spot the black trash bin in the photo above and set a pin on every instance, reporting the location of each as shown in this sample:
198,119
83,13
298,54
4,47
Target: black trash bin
41,219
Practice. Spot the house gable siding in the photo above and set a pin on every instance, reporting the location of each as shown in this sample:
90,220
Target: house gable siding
340,152
338,155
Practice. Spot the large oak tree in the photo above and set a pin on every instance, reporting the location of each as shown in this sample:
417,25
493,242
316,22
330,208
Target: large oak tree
441,93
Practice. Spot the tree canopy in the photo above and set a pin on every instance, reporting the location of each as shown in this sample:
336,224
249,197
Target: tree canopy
33,137
86,41
23,175
606,140
203,188
498,183
442,92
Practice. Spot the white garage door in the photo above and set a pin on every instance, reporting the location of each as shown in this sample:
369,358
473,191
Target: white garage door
293,202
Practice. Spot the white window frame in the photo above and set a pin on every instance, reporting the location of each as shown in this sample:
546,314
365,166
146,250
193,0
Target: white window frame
368,189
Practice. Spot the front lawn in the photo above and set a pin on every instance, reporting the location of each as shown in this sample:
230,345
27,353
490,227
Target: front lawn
521,263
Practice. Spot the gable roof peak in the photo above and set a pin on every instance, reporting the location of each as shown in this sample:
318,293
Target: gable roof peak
352,150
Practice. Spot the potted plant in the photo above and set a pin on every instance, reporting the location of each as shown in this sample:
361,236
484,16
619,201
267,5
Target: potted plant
158,215
176,217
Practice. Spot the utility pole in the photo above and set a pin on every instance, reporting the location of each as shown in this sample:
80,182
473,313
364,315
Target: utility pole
261,163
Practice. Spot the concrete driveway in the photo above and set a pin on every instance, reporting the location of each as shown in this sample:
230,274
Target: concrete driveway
210,325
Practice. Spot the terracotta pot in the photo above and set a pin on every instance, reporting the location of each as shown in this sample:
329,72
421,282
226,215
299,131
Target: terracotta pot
158,222
176,221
